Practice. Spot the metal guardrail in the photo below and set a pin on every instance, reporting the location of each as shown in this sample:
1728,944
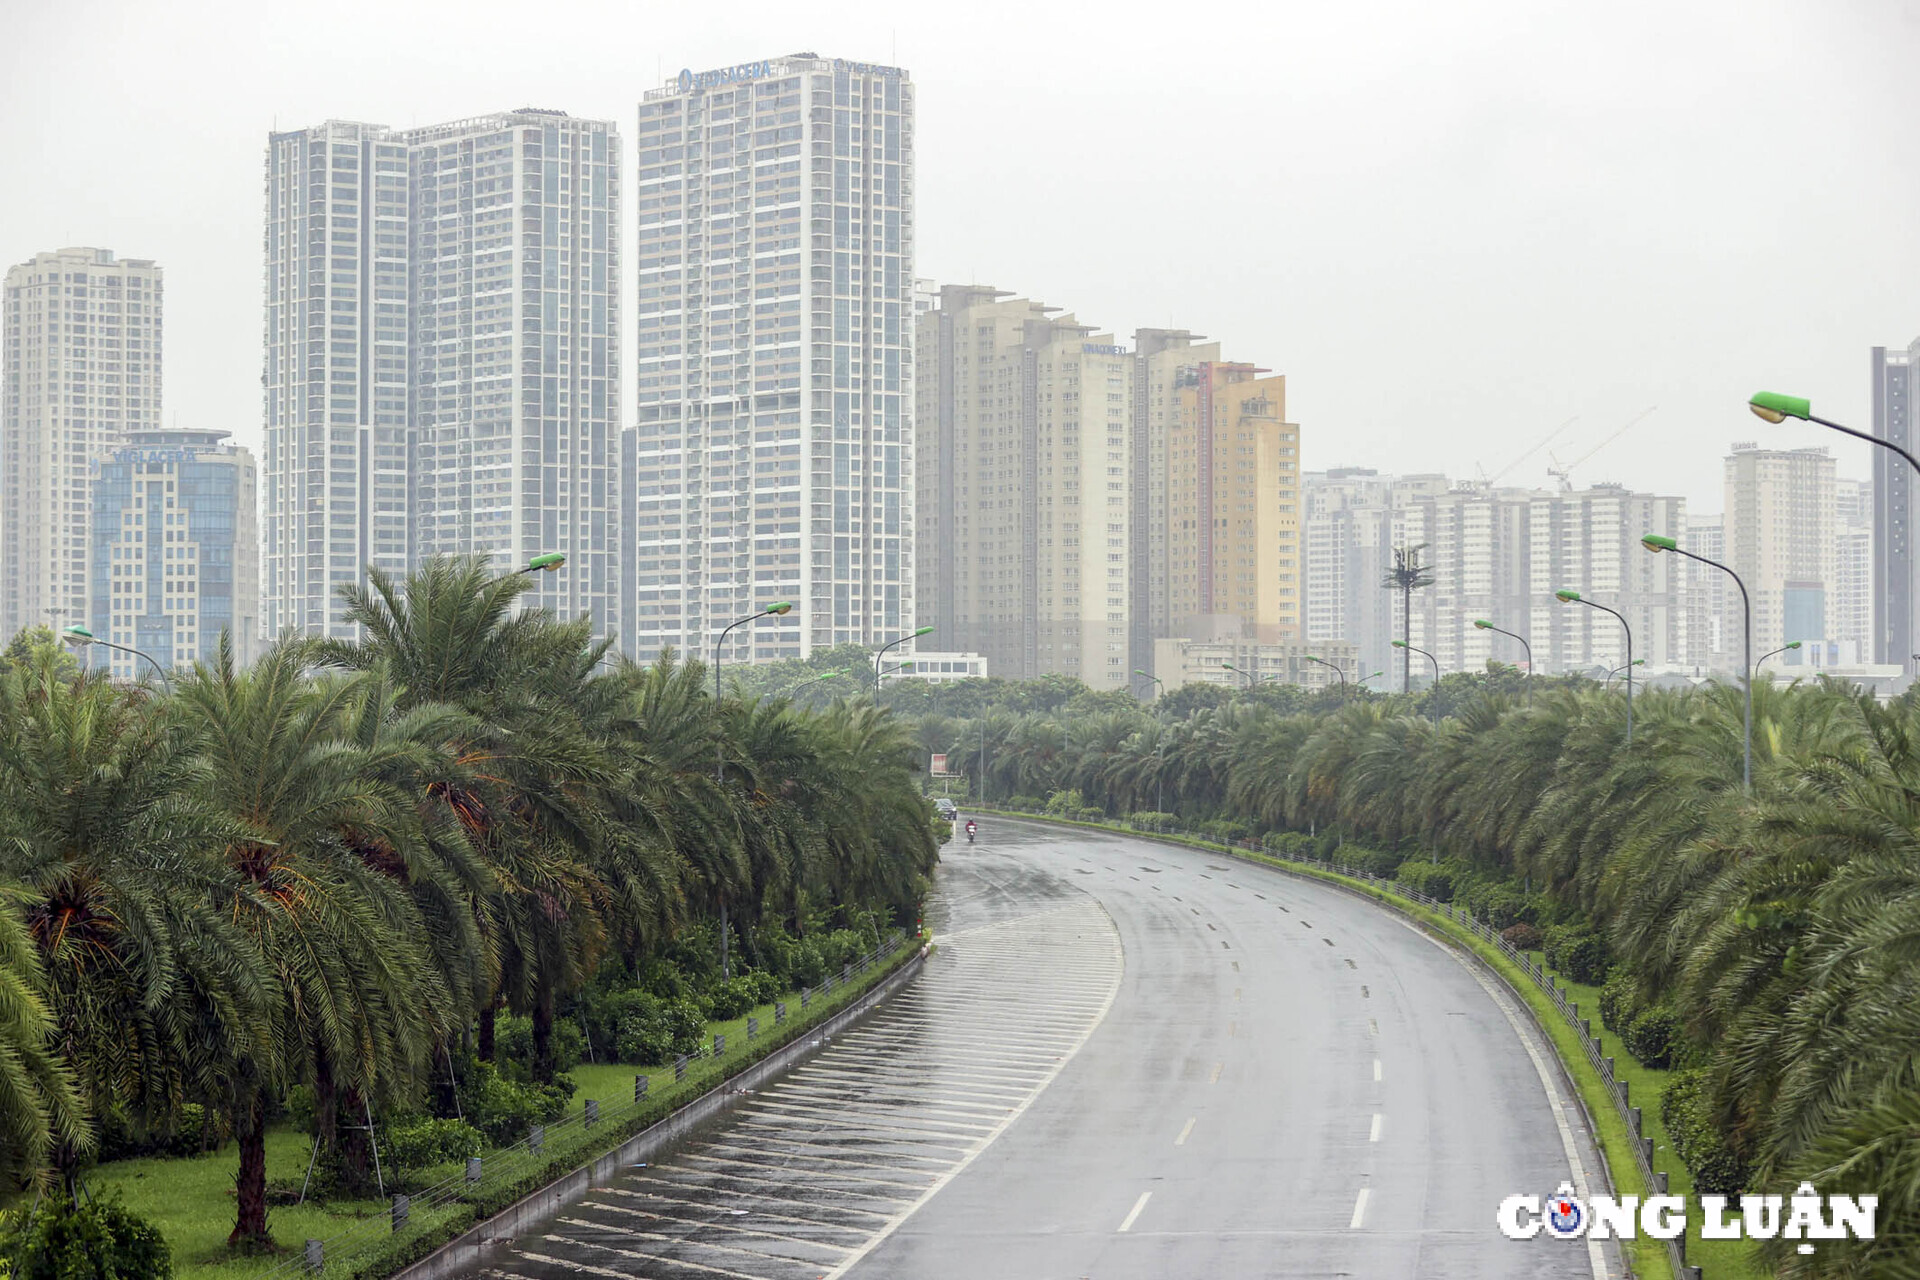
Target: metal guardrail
503,1166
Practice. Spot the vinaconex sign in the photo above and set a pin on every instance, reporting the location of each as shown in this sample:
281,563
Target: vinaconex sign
690,80
1806,1215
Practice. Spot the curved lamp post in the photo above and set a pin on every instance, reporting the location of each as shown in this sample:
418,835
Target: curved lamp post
1375,676
882,653
79,637
1574,597
794,692
1774,407
1159,749
771,611
1637,662
1402,644
1484,625
1244,675
547,563
1794,644
1323,662
1657,543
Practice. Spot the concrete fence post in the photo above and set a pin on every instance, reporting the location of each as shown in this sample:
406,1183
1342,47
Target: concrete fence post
401,1206
639,1087
316,1256
719,1044
592,1113
1633,1120
779,1012
537,1137
679,1067
473,1171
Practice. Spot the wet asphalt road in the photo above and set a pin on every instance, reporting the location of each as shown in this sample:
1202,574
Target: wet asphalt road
1126,1061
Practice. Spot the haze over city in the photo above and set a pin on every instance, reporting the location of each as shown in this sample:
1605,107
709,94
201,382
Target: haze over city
1453,227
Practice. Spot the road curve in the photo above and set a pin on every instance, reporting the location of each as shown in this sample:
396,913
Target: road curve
1128,1061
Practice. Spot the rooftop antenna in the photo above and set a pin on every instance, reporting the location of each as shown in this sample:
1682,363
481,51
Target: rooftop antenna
1562,473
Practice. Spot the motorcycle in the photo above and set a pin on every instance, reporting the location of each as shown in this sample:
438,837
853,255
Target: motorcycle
969,833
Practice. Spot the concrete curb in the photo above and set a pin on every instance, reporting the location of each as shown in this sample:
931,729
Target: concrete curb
475,1247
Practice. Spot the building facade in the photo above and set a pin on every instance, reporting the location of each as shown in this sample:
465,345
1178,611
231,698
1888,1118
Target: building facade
1896,389
1850,620
175,550
772,456
442,356
1474,541
83,332
1347,548
1780,540
1179,661
1024,424
1717,648
1588,540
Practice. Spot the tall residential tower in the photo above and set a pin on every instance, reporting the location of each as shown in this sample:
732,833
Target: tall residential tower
442,356
82,336
772,457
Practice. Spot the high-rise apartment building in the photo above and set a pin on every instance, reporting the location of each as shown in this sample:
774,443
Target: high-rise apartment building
1779,528
175,550
772,456
1346,540
1232,506
1162,359
442,356
1024,421
1896,393
82,370
1850,611
1717,647
1588,540
1474,541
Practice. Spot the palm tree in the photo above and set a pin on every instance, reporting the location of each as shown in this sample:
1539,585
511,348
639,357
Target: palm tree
40,1106
1407,576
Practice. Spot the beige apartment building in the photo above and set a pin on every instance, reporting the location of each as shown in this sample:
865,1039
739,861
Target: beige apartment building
81,371
1779,532
1023,431
1233,504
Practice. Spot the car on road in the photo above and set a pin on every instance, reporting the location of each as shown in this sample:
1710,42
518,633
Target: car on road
946,809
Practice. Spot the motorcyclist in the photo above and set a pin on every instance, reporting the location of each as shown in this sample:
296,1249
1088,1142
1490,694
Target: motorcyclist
971,828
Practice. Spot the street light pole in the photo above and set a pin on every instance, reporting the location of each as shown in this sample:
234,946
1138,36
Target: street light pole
1574,597
1774,653
79,637
1159,750
1637,662
1323,662
1657,543
1484,625
882,653
771,611
1410,649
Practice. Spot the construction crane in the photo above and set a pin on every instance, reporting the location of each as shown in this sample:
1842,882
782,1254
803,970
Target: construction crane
1563,472
1487,482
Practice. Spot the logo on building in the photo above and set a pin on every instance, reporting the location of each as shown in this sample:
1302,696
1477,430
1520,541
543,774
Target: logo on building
1806,1216
691,80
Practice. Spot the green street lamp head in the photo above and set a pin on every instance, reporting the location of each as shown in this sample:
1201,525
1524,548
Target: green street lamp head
1483,624
1314,658
1229,666
1137,671
1568,596
77,636
782,607
924,631
1775,407
1399,644
1794,645
1658,542
551,561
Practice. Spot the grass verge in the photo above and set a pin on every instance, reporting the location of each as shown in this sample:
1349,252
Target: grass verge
1718,1259
191,1201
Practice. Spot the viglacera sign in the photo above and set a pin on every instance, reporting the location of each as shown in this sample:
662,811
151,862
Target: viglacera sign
690,80
1805,1215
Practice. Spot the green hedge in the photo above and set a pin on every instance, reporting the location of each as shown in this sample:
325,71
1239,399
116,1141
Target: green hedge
1686,1110
1580,953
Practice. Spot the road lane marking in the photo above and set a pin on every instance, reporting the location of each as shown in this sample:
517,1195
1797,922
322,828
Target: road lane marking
1126,1224
1373,1028
1359,1210
1376,1068
1218,1067
1373,1134
1186,1129
1233,1028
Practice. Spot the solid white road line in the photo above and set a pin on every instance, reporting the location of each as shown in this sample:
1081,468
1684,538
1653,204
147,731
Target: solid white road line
1187,1129
1126,1224
1359,1210
1373,1134
1376,1068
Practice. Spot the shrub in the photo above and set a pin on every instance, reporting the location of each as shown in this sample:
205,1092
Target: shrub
1377,862
1153,820
418,1142
1091,814
513,1046
1619,1003
1288,844
808,965
1435,879
121,1139
1686,1109
1652,1037
732,998
1065,803
503,1110
1522,936
1579,953
1497,902
97,1240
1226,830
1024,804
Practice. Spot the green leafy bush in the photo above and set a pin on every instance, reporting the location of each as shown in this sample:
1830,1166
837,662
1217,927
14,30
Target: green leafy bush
503,1110
1376,862
732,998
1435,879
121,1139
1288,844
420,1142
1065,803
1686,1109
686,1026
97,1240
1226,829
1653,1037
1578,952
1498,902
513,1046
1153,820
1024,804
1091,814
1619,1003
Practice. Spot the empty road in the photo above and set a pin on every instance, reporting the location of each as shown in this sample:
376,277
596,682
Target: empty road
1126,1061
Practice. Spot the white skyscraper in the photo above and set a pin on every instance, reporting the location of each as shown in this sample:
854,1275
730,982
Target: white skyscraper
442,356
82,370
772,457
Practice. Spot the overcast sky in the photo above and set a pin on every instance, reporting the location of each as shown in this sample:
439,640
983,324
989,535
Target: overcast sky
1453,226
